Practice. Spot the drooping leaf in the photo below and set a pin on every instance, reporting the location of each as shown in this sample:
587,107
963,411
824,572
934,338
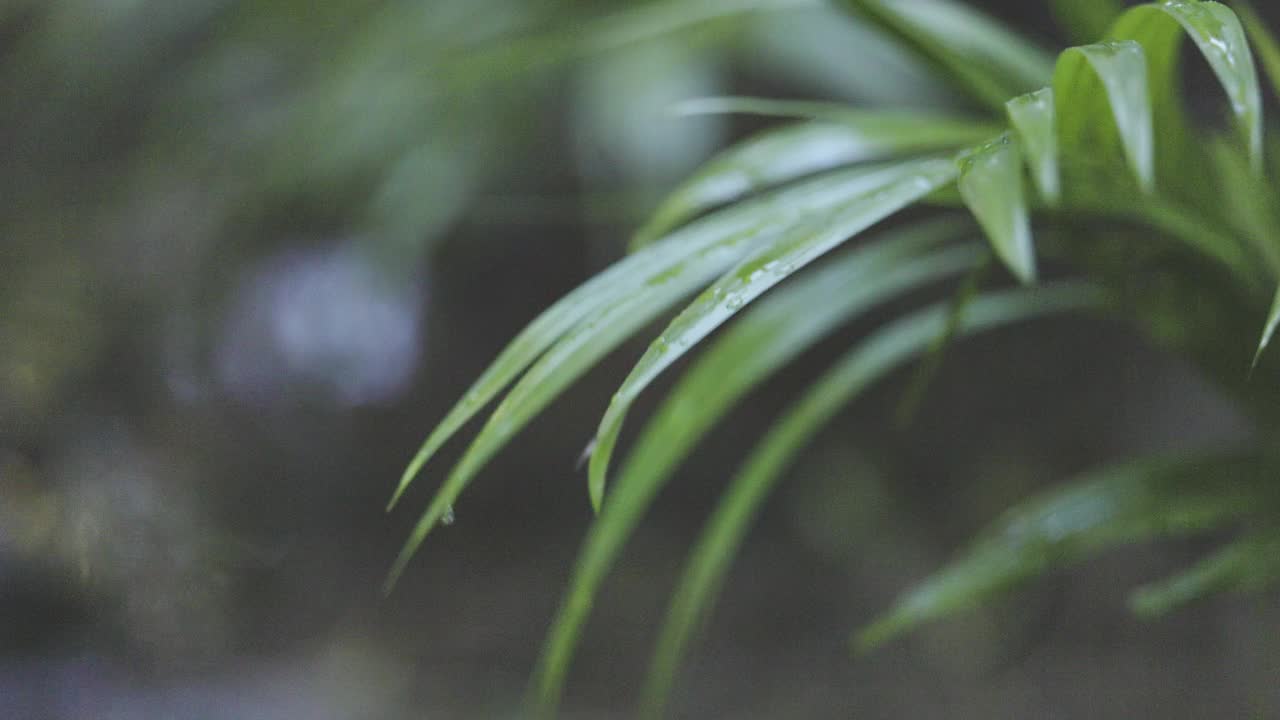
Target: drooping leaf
889,348
584,326
1216,31
987,60
1094,82
1033,118
769,335
1250,564
888,190
1263,39
843,136
1136,501
1086,21
991,186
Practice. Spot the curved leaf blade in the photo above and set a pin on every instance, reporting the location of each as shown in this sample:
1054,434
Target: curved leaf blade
989,61
1114,73
1263,39
1136,501
1217,32
723,534
991,186
842,137
619,302
771,334
1246,565
888,190
1033,117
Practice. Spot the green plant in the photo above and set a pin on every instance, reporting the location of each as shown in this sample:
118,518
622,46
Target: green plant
1098,138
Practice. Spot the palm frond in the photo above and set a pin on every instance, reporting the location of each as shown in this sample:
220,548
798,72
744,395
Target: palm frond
1137,501
1103,134
869,361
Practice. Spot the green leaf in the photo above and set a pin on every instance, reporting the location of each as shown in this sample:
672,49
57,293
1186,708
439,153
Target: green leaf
1216,31
1250,564
1133,502
1263,39
889,348
1268,330
1034,119
1088,81
988,61
991,186
573,41
769,335
591,321
888,189
1086,20
844,136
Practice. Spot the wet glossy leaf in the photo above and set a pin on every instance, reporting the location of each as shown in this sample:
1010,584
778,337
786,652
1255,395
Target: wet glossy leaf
1216,31
1136,501
1093,82
872,359
888,189
773,332
591,321
991,185
844,136
1033,117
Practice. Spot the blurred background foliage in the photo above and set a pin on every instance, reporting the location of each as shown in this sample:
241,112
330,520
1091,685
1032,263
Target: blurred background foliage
253,248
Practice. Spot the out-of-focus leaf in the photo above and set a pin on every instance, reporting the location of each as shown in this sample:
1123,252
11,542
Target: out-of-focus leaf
1263,39
1093,82
1086,21
573,41
773,332
989,61
872,359
583,326
1250,564
888,189
991,185
1033,118
1216,31
1136,501
844,136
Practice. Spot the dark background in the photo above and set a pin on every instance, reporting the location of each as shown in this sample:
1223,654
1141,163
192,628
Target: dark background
251,251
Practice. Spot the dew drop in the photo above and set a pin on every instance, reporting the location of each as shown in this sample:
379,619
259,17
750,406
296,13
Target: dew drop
447,518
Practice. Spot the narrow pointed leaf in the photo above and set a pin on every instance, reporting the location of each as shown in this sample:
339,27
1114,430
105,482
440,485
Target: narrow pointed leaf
991,185
844,136
1033,117
1136,501
638,289
1089,81
988,61
888,190
771,333
1246,565
871,360
1268,330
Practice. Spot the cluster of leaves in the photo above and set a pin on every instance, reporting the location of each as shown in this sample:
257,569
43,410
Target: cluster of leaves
1099,135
